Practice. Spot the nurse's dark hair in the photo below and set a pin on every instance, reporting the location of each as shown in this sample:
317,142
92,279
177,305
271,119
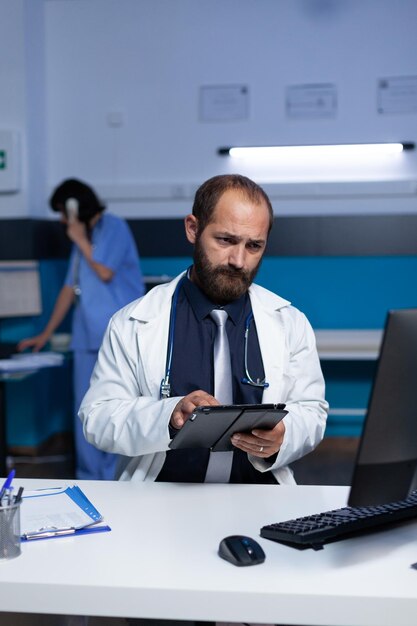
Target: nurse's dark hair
88,203
209,193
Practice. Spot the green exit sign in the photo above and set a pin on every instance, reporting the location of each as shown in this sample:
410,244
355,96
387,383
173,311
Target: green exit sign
2,159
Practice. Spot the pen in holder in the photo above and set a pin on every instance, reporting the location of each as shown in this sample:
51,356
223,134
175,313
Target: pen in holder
10,531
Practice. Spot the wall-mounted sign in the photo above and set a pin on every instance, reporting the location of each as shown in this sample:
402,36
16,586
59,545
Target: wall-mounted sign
228,103
311,101
9,161
397,95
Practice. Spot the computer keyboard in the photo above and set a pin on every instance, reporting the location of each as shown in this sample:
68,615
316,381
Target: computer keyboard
313,531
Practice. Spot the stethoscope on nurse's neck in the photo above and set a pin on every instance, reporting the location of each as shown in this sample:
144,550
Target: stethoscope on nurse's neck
165,390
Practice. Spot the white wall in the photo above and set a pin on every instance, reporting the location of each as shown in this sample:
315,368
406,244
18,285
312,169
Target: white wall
12,90
37,173
22,103
147,59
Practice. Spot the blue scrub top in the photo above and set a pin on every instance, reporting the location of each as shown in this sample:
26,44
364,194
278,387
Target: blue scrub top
114,247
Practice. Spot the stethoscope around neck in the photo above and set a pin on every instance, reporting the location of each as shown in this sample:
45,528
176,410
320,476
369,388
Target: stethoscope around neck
165,389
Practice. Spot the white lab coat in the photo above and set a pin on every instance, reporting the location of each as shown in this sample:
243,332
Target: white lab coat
122,412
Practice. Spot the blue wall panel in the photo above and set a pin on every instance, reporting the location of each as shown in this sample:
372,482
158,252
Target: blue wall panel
343,292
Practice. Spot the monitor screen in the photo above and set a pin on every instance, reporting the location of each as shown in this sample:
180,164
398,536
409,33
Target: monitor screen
386,462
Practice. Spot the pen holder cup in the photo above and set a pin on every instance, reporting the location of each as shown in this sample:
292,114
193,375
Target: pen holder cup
10,531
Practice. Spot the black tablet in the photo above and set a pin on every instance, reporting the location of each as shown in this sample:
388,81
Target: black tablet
212,426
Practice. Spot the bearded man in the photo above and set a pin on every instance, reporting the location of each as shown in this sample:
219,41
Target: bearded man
169,335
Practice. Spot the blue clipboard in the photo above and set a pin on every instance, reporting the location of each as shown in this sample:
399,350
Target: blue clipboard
89,523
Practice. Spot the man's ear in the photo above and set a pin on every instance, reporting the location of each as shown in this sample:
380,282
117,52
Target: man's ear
191,228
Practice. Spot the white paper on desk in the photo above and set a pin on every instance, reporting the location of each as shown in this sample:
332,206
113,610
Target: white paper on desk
51,509
31,362
14,365
40,359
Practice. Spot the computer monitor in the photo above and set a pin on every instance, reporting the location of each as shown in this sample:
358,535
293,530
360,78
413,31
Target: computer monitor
386,463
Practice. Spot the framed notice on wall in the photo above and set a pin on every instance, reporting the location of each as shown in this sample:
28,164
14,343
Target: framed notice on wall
397,95
224,103
311,101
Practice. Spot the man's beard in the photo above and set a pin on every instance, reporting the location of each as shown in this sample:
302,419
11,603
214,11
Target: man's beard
221,284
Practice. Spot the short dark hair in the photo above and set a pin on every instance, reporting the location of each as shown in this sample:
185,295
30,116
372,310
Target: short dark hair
209,193
88,203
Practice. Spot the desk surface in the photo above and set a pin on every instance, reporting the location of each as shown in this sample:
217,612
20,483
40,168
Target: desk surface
160,561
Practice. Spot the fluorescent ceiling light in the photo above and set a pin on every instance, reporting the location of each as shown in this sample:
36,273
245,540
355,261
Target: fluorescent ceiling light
330,150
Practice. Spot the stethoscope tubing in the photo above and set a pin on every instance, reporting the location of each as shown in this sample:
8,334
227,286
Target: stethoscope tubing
247,379
165,391
165,384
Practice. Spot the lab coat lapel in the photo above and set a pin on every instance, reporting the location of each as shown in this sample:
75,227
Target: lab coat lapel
153,314
152,344
271,336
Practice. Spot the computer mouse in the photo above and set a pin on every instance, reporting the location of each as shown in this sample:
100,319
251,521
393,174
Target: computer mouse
241,550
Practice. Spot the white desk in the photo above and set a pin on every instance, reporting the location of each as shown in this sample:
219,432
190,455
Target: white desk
160,561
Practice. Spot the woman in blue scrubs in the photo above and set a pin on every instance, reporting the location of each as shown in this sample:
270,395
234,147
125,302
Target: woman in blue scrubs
103,276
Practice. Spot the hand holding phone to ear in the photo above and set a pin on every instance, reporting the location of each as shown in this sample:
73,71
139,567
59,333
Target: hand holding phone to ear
76,230
71,209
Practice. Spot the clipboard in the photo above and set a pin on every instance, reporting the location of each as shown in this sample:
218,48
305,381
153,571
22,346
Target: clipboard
58,512
212,426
